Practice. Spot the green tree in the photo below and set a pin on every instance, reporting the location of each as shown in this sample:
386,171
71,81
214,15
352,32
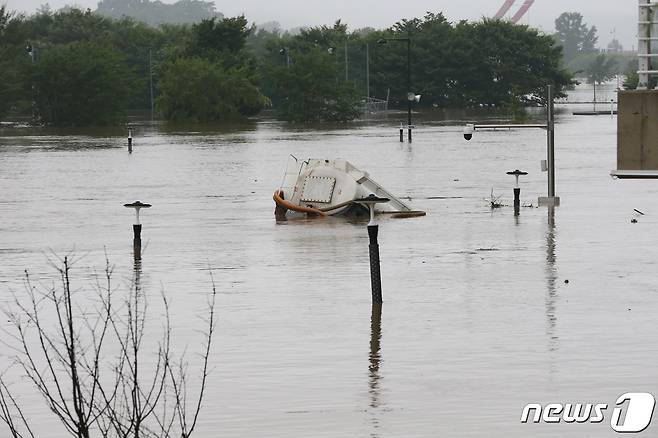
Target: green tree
14,62
311,88
600,70
575,36
212,37
491,62
632,77
199,90
81,84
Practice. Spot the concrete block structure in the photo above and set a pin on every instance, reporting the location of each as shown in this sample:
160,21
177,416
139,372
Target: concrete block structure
637,130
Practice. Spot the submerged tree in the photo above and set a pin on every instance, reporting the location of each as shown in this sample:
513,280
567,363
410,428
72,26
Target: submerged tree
199,90
600,70
14,62
84,353
305,75
213,77
309,88
81,84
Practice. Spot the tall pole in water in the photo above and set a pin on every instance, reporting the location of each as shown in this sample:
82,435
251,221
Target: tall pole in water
550,125
409,92
347,75
368,71
137,228
373,247
151,81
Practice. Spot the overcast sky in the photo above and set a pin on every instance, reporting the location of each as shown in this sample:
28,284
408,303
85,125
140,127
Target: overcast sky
607,16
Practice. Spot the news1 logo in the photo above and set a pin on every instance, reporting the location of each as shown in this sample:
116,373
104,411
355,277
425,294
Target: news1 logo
633,412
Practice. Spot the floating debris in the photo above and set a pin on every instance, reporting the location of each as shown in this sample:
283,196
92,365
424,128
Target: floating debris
494,201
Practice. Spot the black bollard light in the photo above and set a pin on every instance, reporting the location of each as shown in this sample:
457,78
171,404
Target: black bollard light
517,190
130,141
401,133
373,231
137,228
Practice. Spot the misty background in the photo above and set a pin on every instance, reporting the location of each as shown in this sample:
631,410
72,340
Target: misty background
611,18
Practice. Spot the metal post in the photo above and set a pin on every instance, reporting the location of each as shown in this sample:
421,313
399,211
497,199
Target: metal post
368,71
401,133
137,229
409,86
375,275
551,142
347,75
517,190
151,81
373,229
130,141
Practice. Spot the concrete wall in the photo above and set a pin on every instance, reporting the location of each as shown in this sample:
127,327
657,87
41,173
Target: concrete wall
637,130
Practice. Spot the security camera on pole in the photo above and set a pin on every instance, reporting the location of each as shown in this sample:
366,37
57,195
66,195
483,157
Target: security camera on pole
547,165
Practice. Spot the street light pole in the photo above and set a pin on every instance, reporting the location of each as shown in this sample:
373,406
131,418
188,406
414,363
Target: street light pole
551,200
347,63
550,158
151,81
409,92
368,71
411,96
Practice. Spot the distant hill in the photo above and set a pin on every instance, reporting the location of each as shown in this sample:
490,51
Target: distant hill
157,12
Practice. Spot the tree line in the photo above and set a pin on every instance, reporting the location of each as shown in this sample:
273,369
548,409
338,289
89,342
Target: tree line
76,68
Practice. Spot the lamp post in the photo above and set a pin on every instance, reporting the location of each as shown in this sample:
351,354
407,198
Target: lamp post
30,50
517,190
286,51
373,231
411,96
137,228
547,165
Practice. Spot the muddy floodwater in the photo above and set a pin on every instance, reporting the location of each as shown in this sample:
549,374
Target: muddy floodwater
483,312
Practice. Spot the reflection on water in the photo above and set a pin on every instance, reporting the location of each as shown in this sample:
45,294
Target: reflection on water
551,280
375,358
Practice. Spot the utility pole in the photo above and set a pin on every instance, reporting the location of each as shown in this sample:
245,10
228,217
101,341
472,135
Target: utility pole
151,81
347,75
410,93
368,71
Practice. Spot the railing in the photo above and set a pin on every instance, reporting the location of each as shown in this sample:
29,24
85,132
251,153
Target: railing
370,105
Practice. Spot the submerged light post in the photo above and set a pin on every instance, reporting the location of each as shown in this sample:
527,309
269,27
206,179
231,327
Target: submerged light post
411,96
517,190
285,51
549,164
373,231
137,228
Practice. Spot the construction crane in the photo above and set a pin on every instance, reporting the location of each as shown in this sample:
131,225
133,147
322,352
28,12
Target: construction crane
507,5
